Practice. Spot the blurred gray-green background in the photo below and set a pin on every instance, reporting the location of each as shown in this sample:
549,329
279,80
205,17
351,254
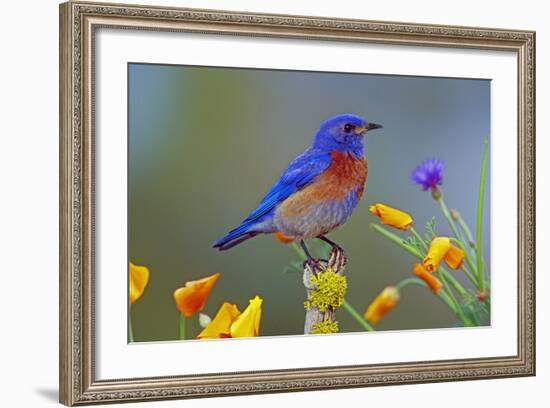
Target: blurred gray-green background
206,143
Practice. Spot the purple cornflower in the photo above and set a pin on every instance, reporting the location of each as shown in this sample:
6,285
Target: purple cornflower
428,174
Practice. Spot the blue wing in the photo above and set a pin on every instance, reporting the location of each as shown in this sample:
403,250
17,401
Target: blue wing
300,173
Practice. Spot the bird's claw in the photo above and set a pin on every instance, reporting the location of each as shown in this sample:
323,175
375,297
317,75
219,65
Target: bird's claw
314,265
337,258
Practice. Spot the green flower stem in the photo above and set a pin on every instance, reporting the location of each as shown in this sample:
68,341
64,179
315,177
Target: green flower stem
448,294
182,327
357,316
447,215
479,221
396,240
130,328
418,237
445,298
474,318
451,222
415,281
464,227
487,303
457,306
467,238
410,281
413,251
461,237
448,298
459,242
469,275
454,282
455,241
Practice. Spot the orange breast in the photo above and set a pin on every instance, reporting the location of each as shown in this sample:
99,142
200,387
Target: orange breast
345,174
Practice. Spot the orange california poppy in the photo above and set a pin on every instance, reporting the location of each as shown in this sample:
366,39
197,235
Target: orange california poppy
220,326
382,304
248,323
229,322
191,298
438,248
139,278
392,216
454,257
431,280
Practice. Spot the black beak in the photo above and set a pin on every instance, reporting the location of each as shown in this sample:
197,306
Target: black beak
371,126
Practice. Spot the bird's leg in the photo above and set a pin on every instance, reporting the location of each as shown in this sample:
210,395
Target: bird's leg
333,245
328,241
312,266
306,251
337,258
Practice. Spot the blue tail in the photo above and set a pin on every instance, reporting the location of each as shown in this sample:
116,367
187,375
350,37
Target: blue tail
235,237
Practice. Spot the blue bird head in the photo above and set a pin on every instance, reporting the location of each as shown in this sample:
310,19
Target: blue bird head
344,133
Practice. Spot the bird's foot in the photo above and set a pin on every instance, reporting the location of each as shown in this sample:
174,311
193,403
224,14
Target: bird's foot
333,245
312,267
315,265
337,259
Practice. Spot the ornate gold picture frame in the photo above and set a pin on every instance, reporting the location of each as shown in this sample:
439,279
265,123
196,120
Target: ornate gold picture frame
79,22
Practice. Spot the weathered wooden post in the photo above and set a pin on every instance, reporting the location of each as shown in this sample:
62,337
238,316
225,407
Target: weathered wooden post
326,286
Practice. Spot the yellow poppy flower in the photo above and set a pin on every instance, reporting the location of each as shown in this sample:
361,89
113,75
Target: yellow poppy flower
382,304
431,280
220,326
438,248
139,277
191,298
454,257
248,323
392,216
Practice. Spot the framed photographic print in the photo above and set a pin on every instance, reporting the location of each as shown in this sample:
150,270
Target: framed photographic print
261,203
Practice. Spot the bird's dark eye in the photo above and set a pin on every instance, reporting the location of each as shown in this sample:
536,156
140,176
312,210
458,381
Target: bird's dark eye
348,127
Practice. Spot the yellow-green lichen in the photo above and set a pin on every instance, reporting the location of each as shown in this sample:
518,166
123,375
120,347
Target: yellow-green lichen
326,327
328,291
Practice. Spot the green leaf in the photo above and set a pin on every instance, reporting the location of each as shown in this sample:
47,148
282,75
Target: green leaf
430,230
479,221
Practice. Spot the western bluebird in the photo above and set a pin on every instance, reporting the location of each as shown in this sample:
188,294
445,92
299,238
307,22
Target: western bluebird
317,192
